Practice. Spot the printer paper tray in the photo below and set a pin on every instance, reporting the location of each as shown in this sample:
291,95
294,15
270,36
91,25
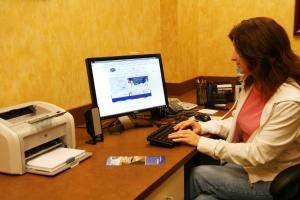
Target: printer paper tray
60,169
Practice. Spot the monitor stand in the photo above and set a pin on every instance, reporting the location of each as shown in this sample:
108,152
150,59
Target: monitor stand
126,122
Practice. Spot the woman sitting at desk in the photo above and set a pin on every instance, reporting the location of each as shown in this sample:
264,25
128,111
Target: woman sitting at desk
263,136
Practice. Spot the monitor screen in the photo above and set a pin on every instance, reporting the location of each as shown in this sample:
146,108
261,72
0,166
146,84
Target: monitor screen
125,84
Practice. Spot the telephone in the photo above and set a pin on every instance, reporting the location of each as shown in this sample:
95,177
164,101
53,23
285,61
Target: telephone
176,105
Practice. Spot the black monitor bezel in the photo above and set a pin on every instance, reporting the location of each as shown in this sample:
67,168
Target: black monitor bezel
88,62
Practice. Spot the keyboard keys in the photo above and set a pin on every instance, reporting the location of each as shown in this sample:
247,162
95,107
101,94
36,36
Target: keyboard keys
159,137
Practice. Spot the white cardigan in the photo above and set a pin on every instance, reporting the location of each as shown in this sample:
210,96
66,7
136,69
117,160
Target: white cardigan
275,144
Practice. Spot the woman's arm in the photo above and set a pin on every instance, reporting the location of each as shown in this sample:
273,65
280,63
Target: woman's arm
189,131
281,129
217,127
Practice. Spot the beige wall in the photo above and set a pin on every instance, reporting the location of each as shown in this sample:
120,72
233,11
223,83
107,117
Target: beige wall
199,43
43,43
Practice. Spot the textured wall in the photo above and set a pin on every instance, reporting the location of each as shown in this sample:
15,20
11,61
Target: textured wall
199,45
218,17
43,43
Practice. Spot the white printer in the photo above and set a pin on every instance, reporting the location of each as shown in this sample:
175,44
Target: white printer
32,129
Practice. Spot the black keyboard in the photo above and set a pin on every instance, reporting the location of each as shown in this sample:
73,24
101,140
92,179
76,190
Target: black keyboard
159,137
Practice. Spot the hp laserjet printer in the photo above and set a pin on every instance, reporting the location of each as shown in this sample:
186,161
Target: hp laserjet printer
32,129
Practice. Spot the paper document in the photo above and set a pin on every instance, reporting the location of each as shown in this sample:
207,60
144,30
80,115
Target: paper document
208,111
54,159
215,117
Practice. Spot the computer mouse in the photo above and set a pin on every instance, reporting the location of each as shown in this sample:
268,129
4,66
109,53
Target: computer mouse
202,117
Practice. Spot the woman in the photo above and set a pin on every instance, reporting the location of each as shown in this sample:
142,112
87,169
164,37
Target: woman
263,136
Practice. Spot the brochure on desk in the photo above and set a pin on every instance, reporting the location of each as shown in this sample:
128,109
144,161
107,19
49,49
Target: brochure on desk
135,160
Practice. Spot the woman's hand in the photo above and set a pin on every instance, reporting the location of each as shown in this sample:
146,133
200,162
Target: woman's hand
190,124
186,136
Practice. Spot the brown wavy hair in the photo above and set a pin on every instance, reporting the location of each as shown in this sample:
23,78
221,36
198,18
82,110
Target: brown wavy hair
265,47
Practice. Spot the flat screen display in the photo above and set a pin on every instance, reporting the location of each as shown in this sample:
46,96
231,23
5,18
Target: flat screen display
124,84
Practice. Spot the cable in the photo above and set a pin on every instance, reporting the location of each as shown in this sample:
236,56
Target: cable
229,111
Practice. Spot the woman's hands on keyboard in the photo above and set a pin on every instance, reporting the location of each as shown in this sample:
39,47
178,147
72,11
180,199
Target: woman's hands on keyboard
186,136
189,136
188,124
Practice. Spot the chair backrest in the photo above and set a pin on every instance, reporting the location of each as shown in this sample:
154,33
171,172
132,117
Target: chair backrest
286,185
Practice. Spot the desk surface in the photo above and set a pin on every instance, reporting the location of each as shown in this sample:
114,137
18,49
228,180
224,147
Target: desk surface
92,179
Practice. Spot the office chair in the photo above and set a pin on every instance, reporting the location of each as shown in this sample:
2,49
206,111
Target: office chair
286,185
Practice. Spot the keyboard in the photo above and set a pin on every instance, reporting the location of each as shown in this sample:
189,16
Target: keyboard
159,137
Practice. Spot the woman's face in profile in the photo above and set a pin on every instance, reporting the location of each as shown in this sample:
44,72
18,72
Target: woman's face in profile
240,63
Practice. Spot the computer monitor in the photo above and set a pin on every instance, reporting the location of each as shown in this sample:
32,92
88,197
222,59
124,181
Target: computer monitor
121,85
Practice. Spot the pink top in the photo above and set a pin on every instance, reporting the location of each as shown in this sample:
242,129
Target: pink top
249,116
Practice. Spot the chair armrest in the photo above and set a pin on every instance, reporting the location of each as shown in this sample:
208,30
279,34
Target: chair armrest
286,182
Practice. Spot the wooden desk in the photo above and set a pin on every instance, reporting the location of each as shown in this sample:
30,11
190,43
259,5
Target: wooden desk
92,179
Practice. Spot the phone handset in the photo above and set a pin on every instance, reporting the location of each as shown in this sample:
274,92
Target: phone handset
174,104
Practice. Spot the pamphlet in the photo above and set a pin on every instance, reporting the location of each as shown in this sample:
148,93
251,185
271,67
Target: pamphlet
135,160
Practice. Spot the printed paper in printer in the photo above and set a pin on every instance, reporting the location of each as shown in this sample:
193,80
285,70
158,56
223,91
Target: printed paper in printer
54,159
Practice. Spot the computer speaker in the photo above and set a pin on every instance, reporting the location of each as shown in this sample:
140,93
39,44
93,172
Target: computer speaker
93,125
